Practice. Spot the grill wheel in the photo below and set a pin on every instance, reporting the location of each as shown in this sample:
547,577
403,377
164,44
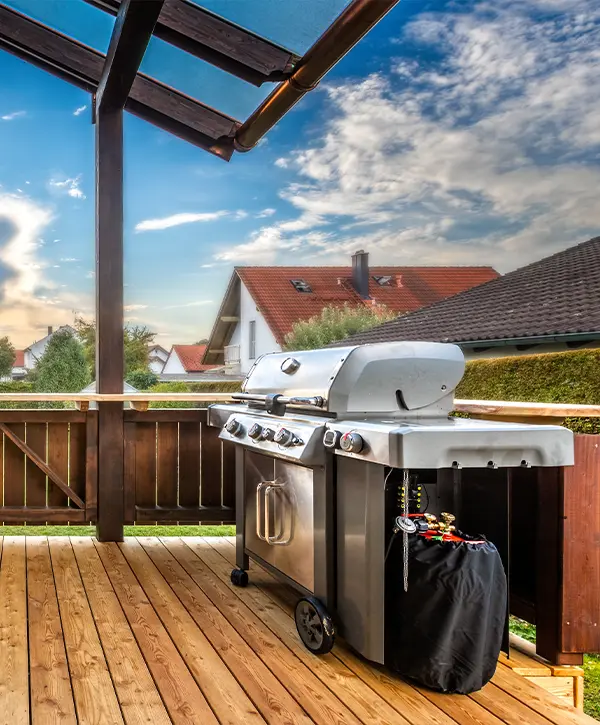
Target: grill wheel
314,625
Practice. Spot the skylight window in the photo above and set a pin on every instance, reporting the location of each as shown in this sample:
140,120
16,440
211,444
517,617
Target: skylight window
301,286
383,281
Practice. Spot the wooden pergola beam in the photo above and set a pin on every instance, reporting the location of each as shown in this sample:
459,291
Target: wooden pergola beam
131,34
223,44
149,99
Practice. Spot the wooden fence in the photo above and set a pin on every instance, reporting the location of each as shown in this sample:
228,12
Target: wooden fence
176,469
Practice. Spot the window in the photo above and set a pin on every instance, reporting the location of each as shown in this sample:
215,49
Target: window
383,281
252,340
301,286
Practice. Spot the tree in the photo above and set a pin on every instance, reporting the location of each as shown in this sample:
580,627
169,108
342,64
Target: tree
63,367
203,341
7,357
142,379
136,340
334,324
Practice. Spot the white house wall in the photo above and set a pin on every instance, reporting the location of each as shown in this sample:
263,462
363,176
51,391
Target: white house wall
156,366
265,341
173,365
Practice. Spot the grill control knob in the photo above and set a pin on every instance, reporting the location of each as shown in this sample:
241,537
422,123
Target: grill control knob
255,432
267,434
234,427
352,443
284,437
331,439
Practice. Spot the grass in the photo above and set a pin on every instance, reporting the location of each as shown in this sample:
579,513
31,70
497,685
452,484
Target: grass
591,667
129,530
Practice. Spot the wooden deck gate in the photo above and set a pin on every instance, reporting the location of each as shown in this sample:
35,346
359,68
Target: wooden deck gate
48,466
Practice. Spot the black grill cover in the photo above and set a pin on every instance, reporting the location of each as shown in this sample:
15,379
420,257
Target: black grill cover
445,632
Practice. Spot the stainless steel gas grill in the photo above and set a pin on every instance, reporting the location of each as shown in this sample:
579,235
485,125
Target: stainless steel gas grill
338,448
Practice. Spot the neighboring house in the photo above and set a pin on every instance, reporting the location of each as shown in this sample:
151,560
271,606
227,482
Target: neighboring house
19,370
157,357
35,351
186,360
262,304
548,306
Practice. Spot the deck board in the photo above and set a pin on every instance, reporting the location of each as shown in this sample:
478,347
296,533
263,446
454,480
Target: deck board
153,631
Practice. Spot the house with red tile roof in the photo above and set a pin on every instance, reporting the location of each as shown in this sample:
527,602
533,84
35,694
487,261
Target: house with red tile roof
261,304
186,359
19,371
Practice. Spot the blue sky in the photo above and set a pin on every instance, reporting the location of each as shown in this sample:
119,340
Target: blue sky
457,132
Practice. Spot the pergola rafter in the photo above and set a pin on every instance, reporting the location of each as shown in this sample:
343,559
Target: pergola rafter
223,44
116,85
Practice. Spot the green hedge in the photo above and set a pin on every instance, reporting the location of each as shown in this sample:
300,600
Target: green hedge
17,387
562,377
228,386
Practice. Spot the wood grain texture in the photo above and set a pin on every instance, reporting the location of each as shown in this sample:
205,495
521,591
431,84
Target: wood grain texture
580,620
167,454
19,443
189,464
58,460
210,462
91,466
266,692
225,696
263,627
183,698
95,698
35,437
139,699
14,468
14,677
145,465
77,459
51,694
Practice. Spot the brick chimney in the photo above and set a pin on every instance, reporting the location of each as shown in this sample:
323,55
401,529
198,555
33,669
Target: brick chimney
360,273
50,329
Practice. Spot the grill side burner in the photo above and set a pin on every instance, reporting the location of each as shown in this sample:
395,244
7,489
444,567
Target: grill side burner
322,440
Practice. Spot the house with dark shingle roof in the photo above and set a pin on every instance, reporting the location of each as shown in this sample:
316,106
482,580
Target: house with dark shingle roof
548,306
262,304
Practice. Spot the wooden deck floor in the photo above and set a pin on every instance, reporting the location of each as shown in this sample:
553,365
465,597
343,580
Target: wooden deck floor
151,631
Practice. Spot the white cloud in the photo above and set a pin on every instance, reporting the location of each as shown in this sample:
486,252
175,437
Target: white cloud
265,213
13,115
80,110
69,259
70,186
490,155
176,220
282,163
25,293
132,308
197,303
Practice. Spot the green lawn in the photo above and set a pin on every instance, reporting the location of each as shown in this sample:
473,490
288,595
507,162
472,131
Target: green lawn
591,667
129,531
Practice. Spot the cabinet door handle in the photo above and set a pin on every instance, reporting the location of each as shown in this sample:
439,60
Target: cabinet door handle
277,538
261,527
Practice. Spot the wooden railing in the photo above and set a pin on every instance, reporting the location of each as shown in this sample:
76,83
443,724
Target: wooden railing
176,469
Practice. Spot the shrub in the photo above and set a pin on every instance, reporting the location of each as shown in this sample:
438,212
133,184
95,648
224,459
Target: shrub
334,324
562,377
142,379
226,386
16,386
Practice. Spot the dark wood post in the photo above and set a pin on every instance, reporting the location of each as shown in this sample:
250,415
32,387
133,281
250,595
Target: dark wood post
132,32
109,321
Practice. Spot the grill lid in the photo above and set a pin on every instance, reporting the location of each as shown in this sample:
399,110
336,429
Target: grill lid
408,379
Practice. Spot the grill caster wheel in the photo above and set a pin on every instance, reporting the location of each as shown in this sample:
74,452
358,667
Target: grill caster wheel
239,578
314,625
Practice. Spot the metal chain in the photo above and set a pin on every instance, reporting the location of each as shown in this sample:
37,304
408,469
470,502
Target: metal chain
405,532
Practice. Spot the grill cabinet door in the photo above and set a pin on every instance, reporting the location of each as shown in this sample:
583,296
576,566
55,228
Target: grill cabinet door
279,516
